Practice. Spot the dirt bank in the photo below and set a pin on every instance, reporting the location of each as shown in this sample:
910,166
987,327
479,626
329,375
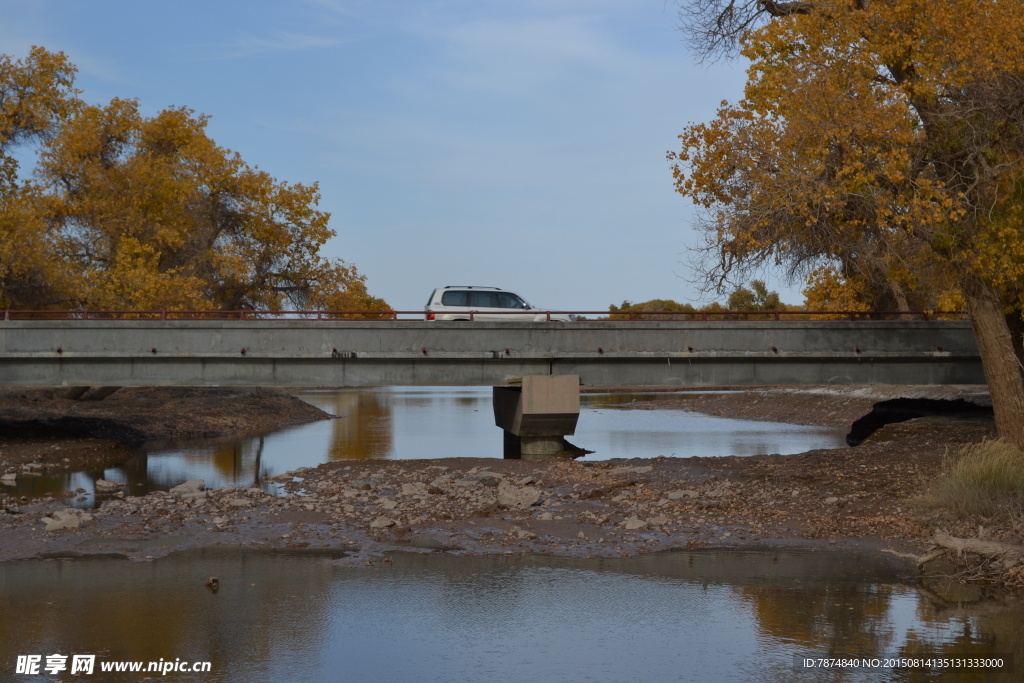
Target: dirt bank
44,427
829,406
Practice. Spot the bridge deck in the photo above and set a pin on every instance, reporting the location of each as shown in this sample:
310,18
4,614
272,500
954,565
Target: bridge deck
368,353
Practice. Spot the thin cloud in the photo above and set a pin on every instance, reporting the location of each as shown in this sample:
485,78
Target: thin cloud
279,41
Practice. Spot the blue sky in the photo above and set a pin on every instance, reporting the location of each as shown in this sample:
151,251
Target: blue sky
510,144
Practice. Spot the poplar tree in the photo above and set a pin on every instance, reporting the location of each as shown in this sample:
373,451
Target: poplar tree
889,131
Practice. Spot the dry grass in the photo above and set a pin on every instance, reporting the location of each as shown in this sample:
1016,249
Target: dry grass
981,480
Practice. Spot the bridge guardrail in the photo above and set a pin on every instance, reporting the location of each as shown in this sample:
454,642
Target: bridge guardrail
707,315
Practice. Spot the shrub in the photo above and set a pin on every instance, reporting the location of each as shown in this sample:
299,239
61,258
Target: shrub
980,480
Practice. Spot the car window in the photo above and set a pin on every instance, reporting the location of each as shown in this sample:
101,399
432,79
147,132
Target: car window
509,300
455,298
483,299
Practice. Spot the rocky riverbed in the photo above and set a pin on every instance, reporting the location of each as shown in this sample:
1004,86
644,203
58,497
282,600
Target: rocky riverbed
845,498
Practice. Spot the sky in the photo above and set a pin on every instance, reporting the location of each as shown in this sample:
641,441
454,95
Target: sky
456,142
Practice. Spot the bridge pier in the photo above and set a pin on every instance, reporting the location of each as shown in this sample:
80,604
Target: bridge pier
536,413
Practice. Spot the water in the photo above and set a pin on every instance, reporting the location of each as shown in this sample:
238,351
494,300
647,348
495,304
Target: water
431,422
291,616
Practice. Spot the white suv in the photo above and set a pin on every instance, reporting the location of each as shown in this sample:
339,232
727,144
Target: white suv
485,303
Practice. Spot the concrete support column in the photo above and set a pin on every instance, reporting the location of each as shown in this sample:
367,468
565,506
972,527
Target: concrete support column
536,412
540,447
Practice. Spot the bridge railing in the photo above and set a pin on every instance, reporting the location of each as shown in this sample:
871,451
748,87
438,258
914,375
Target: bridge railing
412,316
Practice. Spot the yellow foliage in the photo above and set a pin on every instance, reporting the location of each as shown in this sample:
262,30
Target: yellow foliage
35,96
886,138
133,280
132,212
827,290
36,93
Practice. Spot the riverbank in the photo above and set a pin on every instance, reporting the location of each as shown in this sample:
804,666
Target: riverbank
44,429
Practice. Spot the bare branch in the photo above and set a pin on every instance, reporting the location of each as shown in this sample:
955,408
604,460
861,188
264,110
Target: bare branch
713,28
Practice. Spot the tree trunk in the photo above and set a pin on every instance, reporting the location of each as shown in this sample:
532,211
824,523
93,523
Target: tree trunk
1002,369
1015,321
898,296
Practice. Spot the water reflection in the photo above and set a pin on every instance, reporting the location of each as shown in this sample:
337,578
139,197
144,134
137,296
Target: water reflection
364,426
430,422
680,616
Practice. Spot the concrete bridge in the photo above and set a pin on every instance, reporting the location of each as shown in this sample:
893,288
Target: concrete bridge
342,353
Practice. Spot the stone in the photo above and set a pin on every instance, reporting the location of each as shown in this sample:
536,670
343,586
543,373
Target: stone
417,489
660,520
719,492
516,532
388,504
190,486
546,516
513,496
61,520
239,502
382,523
220,520
105,485
9,479
634,523
831,500
681,493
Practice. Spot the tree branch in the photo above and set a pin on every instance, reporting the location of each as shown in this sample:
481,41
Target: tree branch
785,9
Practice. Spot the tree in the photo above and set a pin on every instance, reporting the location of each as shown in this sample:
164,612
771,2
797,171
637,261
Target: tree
757,298
36,96
126,211
154,214
887,133
621,312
